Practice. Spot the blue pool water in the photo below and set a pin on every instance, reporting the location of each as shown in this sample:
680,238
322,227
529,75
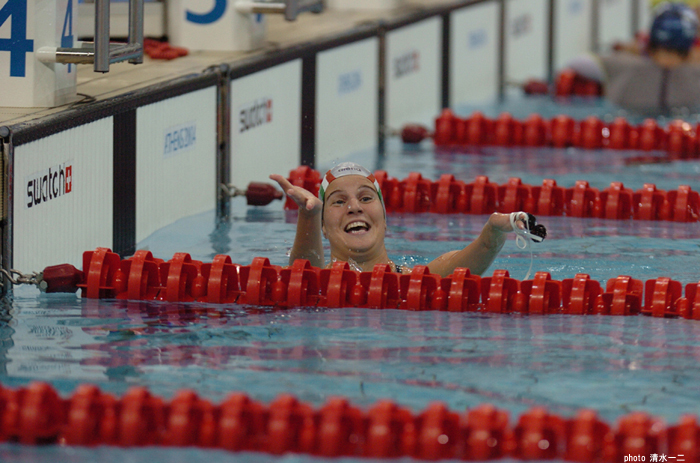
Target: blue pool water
614,365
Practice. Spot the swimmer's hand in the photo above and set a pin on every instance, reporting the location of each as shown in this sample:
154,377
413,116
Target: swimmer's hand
525,224
304,198
522,223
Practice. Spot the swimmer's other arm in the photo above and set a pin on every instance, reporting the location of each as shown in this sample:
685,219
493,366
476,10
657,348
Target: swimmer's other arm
480,253
307,241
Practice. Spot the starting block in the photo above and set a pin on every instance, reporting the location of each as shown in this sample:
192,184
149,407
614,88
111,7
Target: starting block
25,27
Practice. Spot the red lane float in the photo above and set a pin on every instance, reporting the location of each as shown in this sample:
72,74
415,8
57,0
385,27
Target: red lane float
582,200
182,279
580,293
37,414
514,196
449,195
542,293
416,194
483,195
661,297
622,296
616,201
101,268
500,292
222,280
338,284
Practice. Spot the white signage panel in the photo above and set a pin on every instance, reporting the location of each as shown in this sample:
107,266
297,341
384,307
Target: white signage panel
615,22
526,40
474,46
413,73
645,15
63,196
266,123
346,100
573,26
176,152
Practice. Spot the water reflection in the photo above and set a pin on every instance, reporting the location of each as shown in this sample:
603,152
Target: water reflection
611,364
220,238
6,333
563,362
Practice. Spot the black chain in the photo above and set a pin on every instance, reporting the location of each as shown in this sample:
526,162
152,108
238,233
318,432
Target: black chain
18,278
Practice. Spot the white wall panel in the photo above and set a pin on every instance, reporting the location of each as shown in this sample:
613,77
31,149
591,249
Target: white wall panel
413,73
615,23
265,123
66,217
573,30
474,36
346,100
526,39
645,15
175,160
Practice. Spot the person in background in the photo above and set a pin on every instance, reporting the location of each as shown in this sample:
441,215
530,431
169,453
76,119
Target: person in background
350,213
661,75
641,39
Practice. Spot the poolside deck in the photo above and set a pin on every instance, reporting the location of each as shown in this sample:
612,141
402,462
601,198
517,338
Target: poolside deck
308,28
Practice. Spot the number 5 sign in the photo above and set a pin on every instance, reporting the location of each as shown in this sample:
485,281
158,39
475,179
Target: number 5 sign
26,26
213,25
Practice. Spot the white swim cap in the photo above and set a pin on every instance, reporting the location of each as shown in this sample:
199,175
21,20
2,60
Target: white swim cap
348,168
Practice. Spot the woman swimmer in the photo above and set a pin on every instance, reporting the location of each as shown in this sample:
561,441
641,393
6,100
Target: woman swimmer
350,213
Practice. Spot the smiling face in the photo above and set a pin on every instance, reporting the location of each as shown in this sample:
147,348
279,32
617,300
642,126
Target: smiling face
353,219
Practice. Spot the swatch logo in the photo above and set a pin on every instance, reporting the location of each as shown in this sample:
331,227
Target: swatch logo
255,114
179,138
406,64
349,82
49,184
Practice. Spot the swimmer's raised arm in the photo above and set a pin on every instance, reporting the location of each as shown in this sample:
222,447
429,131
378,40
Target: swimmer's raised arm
480,253
307,241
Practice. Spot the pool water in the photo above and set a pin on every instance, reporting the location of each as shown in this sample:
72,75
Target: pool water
613,365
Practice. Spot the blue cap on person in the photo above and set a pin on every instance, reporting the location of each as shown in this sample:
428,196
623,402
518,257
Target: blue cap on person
348,168
674,27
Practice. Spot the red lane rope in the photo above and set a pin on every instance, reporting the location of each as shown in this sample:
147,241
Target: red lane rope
448,195
181,279
38,415
679,140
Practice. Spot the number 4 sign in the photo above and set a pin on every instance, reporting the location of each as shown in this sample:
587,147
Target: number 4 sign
24,81
15,12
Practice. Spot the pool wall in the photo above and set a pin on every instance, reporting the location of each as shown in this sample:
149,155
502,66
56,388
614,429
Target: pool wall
110,173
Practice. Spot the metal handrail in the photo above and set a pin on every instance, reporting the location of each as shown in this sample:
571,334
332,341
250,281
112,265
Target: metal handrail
290,9
101,52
